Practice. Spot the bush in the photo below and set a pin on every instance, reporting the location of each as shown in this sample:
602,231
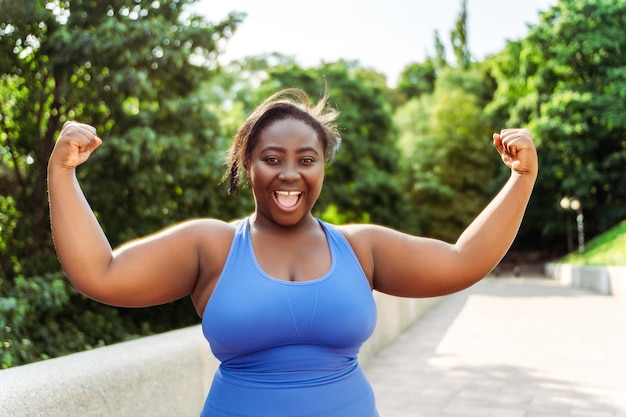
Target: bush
44,316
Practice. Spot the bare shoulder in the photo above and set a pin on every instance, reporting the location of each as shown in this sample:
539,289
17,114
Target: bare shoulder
357,234
205,228
211,224
214,239
373,238
209,239
368,234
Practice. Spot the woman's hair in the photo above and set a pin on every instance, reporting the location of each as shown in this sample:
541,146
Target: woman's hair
290,103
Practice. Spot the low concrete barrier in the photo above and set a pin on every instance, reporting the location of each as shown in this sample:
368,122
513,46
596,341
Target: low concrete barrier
164,375
607,280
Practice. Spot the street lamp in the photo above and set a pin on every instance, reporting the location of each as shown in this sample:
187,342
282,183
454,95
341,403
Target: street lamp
573,203
565,204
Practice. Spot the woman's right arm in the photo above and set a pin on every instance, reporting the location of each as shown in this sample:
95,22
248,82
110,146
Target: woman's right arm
153,270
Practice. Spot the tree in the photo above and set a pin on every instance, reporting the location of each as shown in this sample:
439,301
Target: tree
447,152
126,68
441,61
417,79
567,82
132,69
459,41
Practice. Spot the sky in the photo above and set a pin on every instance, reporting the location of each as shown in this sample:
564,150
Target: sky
385,35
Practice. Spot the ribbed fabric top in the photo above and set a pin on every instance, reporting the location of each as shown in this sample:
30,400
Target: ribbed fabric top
289,348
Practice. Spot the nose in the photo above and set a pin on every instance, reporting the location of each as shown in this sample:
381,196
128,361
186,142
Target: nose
290,172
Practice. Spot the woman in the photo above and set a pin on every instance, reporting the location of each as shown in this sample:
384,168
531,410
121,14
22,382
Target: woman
285,299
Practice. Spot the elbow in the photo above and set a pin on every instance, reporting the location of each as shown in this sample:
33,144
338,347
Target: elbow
95,289
87,289
467,273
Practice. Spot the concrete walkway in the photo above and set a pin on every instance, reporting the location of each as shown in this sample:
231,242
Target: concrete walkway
508,347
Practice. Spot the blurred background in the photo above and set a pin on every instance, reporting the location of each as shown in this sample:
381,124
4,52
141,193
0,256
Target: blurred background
421,88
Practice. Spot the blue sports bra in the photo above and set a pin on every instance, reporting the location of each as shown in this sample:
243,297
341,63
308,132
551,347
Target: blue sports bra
289,348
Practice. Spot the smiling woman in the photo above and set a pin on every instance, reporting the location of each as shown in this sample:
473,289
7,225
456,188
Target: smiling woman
285,299
286,104
287,168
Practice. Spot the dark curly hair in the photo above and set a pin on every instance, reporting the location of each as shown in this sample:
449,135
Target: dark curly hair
291,103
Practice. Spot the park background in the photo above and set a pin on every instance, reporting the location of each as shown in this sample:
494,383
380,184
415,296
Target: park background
416,153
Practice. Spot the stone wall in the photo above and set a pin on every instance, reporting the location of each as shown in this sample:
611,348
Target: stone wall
608,280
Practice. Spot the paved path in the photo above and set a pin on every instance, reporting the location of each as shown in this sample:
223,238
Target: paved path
508,347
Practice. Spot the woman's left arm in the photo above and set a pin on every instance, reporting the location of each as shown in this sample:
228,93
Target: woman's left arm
410,266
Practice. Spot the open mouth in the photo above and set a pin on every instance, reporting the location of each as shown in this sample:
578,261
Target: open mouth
287,199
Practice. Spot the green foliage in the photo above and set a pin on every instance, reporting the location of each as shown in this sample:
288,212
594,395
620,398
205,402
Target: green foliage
417,79
440,53
566,81
446,145
43,317
37,321
133,71
8,222
609,249
332,215
126,68
458,39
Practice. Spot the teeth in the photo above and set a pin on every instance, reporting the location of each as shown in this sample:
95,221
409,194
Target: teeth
289,192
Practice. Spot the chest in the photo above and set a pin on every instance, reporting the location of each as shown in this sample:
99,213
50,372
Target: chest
322,299
252,311
298,259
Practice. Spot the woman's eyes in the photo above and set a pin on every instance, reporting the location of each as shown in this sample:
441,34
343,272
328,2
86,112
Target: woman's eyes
275,160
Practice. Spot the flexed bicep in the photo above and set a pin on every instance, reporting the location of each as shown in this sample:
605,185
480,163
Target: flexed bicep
152,270
149,271
404,265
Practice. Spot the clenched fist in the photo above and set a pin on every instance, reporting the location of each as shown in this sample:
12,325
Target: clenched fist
75,144
517,150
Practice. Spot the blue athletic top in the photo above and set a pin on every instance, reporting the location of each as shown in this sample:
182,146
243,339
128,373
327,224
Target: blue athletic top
289,348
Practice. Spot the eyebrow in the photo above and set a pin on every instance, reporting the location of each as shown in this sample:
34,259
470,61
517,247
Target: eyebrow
284,150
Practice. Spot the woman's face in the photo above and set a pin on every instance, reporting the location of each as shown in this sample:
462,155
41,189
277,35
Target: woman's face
286,171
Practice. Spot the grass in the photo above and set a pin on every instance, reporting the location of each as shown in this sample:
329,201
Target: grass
607,249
